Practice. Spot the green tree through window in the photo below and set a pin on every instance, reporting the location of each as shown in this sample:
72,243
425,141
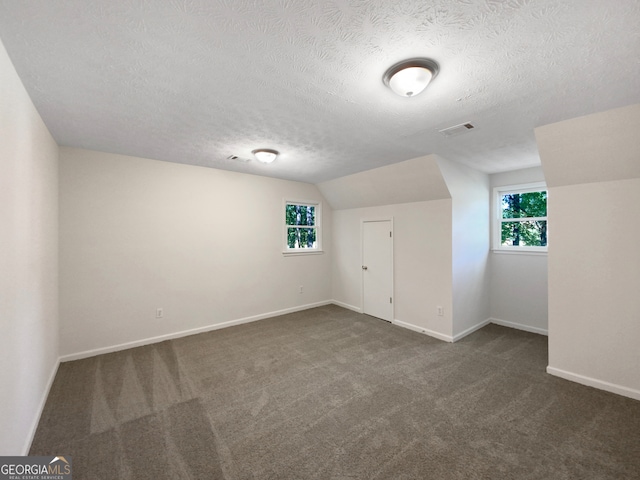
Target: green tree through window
524,219
302,229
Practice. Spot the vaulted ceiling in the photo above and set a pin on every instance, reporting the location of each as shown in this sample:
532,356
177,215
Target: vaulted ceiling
195,81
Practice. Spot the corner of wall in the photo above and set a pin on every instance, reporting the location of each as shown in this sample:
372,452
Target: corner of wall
29,313
591,165
470,193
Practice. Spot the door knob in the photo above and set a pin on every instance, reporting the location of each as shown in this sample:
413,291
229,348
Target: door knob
364,268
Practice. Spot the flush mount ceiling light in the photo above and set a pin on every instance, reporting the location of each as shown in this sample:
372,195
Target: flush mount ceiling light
410,77
265,155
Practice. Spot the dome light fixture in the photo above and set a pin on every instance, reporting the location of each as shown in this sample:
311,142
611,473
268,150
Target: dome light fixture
410,77
265,155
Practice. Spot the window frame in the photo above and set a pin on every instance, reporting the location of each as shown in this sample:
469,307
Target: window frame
497,220
318,226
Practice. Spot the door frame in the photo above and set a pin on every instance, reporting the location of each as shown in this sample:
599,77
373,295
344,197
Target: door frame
393,289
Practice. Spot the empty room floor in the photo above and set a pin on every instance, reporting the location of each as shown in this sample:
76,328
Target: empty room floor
331,394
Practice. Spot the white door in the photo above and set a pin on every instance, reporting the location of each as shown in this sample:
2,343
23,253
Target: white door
377,269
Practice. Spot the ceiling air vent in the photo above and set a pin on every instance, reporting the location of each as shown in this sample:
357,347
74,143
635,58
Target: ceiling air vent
457,129
236,157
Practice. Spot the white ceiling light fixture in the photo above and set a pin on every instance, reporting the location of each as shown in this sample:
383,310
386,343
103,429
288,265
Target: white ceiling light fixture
265,155
410,77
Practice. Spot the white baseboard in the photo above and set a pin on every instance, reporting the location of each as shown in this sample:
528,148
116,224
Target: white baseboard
593,382
526,328
185,333
347,306
43,401
468,331
472,329
426,331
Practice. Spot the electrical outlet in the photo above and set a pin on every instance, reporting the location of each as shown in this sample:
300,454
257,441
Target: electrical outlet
440,311
159,312
301,289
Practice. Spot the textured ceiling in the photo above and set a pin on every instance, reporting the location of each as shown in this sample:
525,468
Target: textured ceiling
195,81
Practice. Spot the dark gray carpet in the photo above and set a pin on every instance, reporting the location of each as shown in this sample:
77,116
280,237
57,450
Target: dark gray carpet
331,394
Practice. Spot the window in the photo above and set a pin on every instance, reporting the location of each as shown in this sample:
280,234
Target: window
521,221
302,227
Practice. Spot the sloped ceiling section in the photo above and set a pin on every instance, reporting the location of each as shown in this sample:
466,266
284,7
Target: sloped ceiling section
413,180
595,148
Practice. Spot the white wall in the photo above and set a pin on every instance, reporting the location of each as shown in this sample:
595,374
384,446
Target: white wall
594,148
594,280
469,190
422,262
594,259
203,244
415,195
441,244
519,285
28,262
415,180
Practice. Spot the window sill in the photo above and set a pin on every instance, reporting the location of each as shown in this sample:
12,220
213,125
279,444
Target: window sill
520,252
301,253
